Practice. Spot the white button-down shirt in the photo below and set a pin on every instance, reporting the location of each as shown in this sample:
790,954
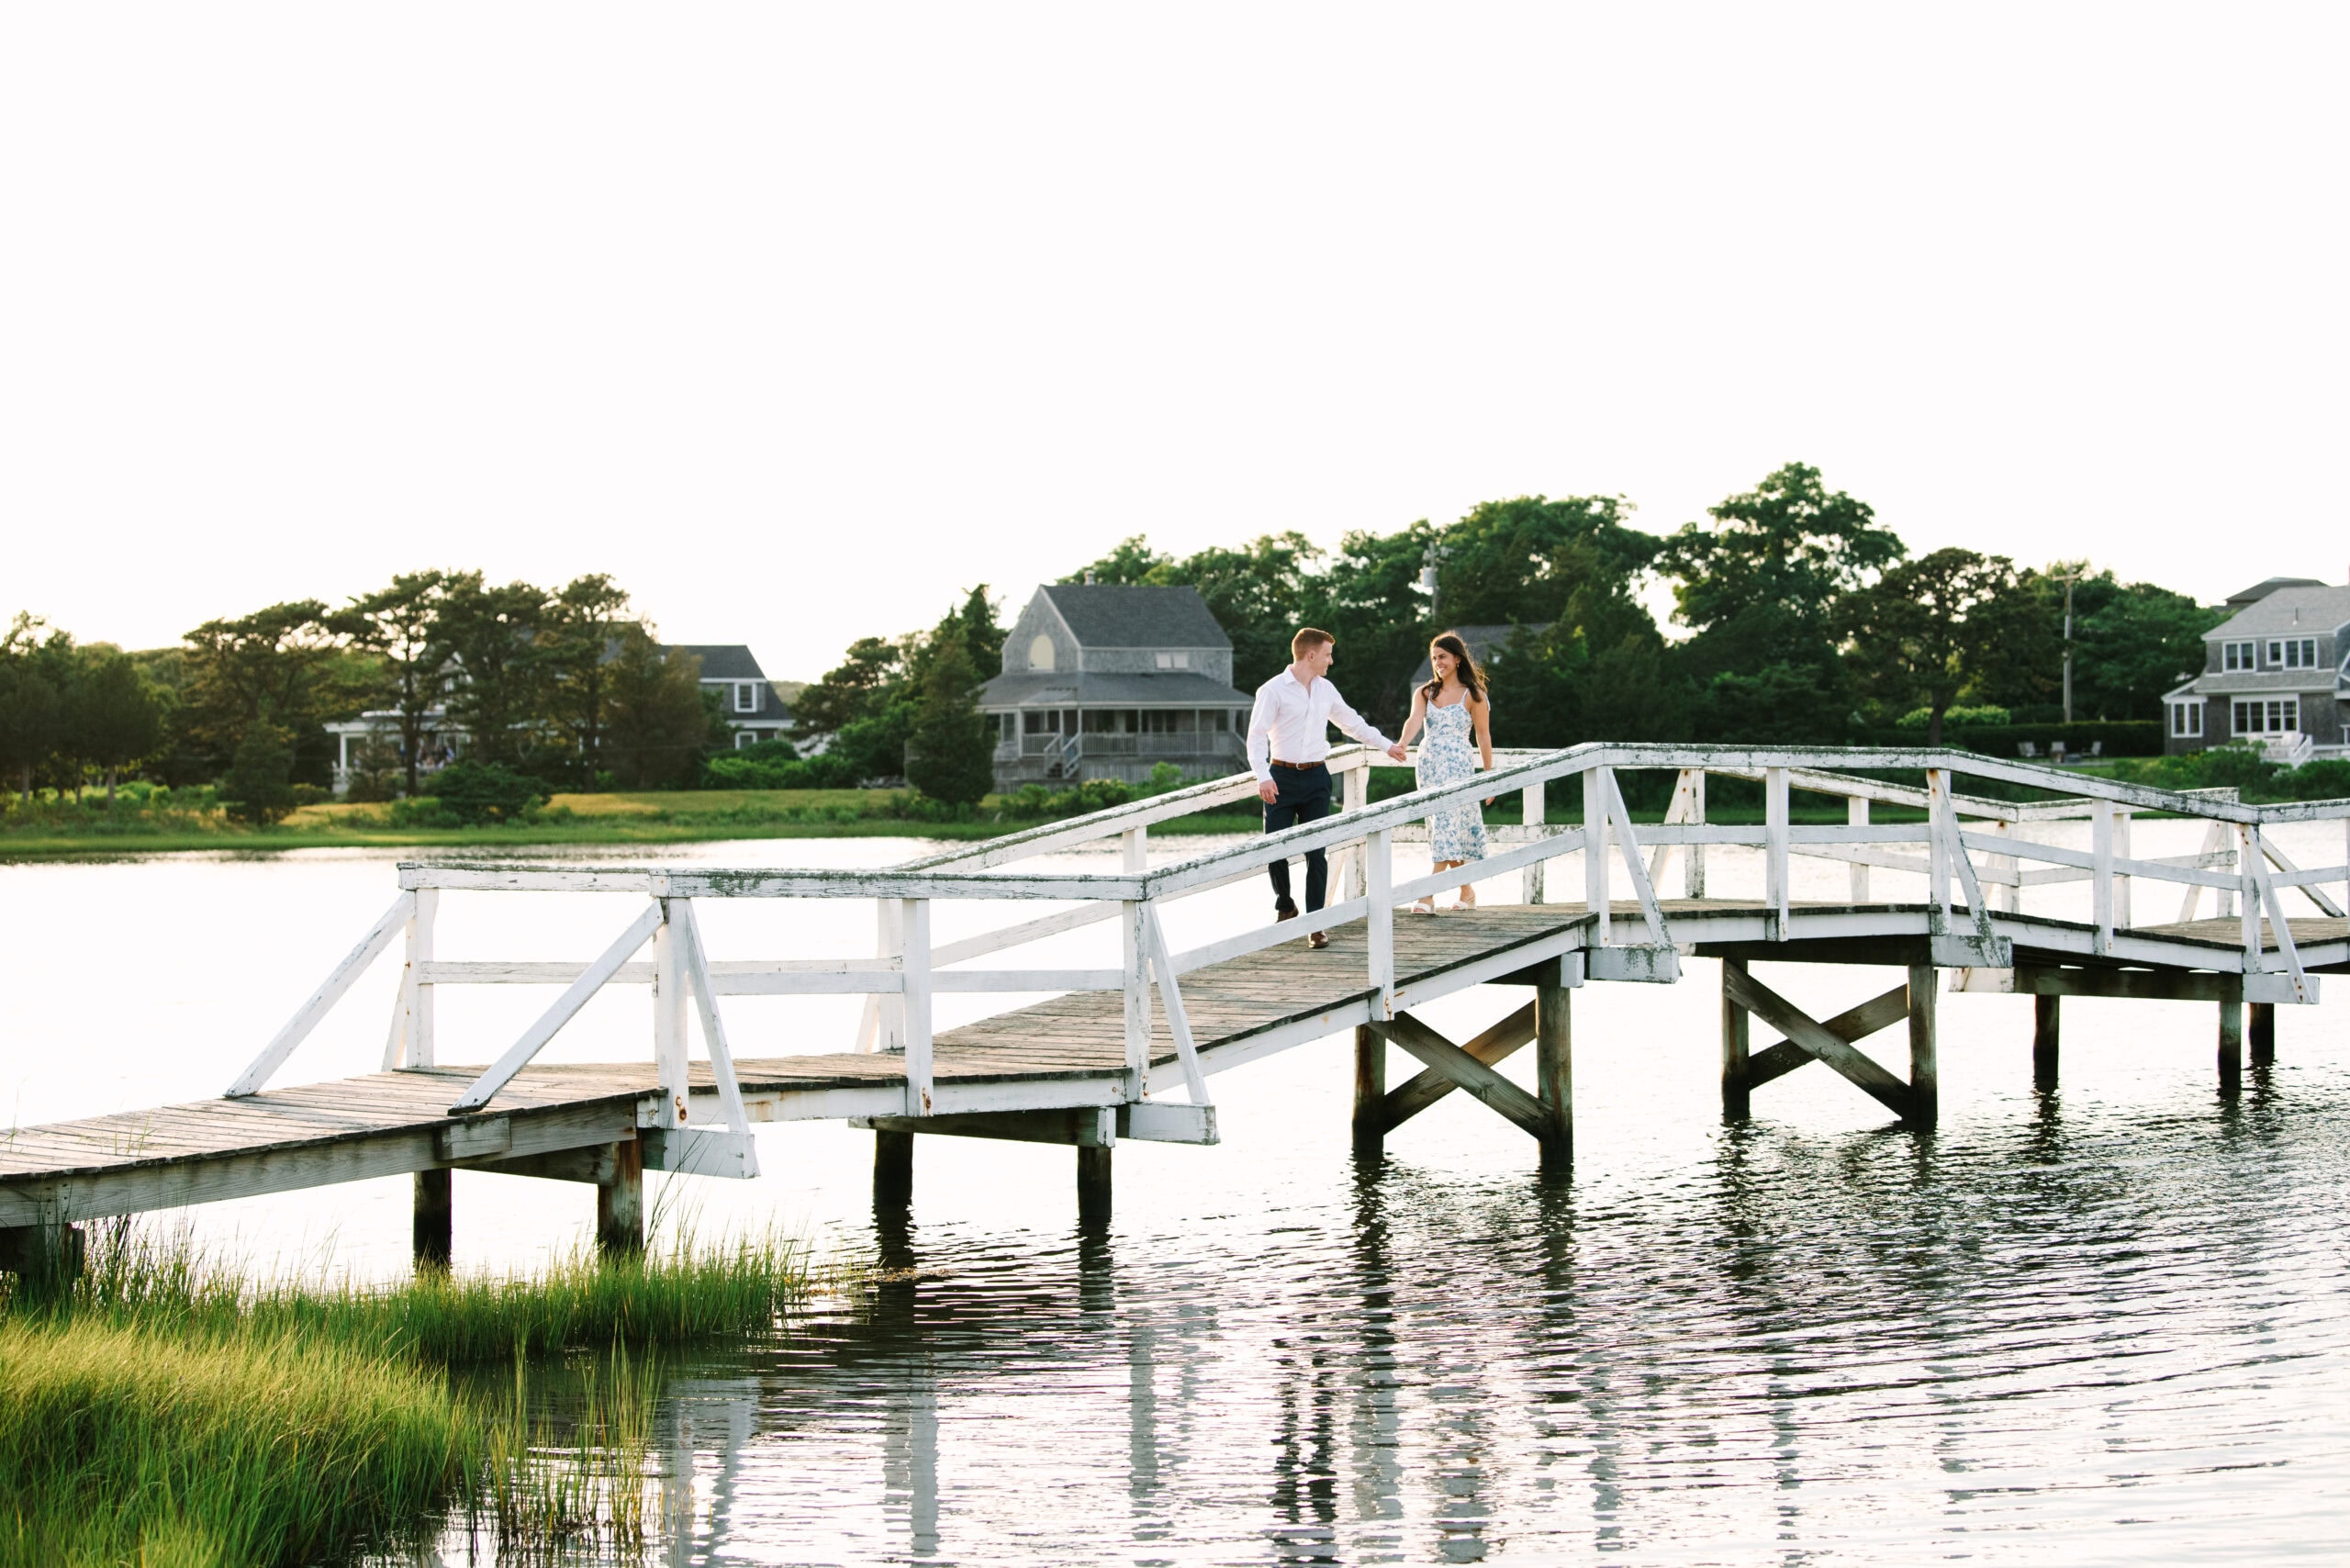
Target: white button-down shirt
1293,722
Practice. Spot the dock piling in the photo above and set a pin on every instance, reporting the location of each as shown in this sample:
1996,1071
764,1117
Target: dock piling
1554,1069
1737,1084
2045,1016
893,1169
430,1232
2231,1046
620,1203
2264,1033
1925,1086
1093,1182
1370,1090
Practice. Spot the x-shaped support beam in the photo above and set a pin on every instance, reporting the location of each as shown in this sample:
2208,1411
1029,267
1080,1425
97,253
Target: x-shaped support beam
1807,1039
1429,1085
1466,1071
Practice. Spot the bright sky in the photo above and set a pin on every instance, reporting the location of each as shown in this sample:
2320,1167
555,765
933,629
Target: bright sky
800,320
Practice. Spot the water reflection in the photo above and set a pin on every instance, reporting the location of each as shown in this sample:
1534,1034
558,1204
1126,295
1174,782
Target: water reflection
1995,1341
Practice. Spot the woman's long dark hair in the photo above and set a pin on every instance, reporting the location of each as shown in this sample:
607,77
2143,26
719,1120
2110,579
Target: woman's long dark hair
1470,675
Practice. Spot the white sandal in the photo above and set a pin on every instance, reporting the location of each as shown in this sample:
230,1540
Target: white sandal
1425,906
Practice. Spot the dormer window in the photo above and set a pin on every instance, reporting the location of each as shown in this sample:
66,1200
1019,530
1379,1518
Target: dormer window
2292,653
1173,661
747,696
2238,655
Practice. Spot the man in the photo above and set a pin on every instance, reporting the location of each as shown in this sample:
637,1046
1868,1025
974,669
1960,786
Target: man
1288,739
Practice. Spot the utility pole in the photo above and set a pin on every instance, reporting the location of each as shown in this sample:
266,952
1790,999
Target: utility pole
2070,578
1427,583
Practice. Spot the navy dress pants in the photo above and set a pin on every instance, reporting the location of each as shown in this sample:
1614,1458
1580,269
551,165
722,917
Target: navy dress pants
1305,798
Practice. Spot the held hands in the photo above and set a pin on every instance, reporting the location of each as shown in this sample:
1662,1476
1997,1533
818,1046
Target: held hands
1398,753
1269,793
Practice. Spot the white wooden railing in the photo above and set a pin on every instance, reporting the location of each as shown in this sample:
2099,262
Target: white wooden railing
1969,849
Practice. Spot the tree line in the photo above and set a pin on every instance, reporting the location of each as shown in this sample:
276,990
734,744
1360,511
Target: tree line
1806,621
567,687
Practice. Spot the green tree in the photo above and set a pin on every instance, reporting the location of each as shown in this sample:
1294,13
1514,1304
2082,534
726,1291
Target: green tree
1369,599
1761,588
1518,561
950,745
117,719
285,669
32,712
497,693
576,646
659,727
1928,628
868,676
2131,643
258,787
401,626
1131,564
1598,672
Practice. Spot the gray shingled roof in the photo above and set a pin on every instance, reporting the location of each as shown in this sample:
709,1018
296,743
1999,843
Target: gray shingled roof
1103,616
2267,586
2263,681
2319,609
1060,688
724,661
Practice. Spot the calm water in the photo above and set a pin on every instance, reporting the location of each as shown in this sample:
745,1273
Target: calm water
2107,1323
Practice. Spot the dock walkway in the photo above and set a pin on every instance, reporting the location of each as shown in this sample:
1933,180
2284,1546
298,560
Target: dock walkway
1102,1058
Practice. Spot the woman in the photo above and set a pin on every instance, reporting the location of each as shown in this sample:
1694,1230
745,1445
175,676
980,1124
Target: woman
1451,708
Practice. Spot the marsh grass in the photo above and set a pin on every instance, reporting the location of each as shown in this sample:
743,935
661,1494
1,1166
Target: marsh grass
166,1408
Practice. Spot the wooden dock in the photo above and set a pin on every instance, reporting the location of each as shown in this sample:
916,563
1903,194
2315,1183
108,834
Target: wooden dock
1095,1062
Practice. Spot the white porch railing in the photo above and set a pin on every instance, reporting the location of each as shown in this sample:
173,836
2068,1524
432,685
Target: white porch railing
1969,848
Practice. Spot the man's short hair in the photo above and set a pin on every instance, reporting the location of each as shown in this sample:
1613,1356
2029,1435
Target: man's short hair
1306,641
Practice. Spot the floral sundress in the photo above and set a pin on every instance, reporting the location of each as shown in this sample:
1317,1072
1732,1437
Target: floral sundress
1455,831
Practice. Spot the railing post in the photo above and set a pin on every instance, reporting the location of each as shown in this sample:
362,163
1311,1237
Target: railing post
1354,795
1379,920
1774,850
1137,986
1595,853
2248,885
1693,877
2007,896
1856,815
670,1019
411,1043
914,929
1530,880
2121,884
2101,873
1937,848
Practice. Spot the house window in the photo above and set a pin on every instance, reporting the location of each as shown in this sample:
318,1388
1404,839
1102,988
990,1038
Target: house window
2292,653
1044,723
2238,655
745,738
1040,652
1172,661
2266,715
747,696
2186,720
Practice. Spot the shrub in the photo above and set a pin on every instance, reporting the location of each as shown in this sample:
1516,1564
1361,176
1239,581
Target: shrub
258,787
773,764
313,794
469,793
1988,713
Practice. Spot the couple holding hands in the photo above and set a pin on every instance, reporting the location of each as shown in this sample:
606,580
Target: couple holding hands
1289,744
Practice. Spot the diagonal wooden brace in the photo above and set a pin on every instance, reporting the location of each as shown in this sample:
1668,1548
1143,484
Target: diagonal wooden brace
1428,1086
1857,1023
1466,1071
1815,1038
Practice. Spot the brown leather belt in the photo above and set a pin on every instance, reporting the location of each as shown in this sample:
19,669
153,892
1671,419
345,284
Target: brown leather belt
1299,766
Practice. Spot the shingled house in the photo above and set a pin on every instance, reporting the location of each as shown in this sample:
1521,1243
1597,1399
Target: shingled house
2277,673
749,699
1104,682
